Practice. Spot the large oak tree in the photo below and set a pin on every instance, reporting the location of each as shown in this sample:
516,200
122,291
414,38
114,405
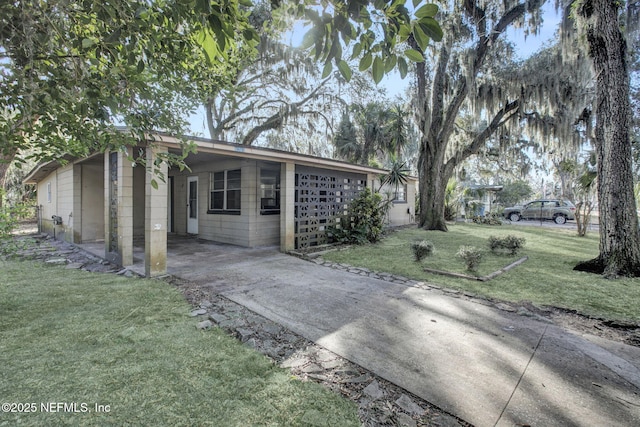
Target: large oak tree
601,23
461,81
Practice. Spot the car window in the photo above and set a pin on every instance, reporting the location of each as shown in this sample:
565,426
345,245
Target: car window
534,205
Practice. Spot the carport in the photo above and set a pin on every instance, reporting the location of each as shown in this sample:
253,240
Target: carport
229,193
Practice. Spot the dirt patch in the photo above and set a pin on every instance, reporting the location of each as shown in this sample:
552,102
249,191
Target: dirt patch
627,333
614,330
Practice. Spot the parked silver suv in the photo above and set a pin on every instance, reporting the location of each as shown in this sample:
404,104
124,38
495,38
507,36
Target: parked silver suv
557,210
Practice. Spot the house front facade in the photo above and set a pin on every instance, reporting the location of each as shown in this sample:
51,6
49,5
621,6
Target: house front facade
230,193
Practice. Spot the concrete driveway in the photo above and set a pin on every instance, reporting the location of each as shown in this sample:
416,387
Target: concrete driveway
484,365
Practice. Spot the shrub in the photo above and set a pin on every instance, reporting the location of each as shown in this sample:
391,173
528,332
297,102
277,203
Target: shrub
364,221
471,256
421,249
490,219
511,244
8,221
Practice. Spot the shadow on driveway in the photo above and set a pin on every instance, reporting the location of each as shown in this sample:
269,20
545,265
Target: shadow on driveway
486,366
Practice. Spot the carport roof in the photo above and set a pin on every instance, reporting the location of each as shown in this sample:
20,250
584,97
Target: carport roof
42,170
262,153
224,148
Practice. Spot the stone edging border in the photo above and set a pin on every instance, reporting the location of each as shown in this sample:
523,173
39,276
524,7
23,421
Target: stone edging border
478,278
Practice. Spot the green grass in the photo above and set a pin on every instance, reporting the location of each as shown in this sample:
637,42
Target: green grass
70,336
547,278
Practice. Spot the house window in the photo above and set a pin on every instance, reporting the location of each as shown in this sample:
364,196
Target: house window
225,192
48,192
269,192
400,196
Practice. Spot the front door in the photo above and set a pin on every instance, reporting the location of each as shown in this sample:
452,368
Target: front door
192,205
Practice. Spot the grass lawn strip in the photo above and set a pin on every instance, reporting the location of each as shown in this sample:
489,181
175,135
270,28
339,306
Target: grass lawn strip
547,278
129,345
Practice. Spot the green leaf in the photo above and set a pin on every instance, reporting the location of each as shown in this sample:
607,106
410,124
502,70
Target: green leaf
140,67
249,34
427,11
416,3
209,46
421,38
365,62
357,49
87,43
402,67
345,70
403,33
154,184
390,63
431,28
327,69
114,37
377,70
414,55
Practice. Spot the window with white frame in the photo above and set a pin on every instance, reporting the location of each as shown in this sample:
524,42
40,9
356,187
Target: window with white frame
225,191
48,192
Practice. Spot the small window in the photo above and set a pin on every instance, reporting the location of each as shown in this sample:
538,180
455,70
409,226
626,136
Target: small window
48,192
269,192
225,192
400,196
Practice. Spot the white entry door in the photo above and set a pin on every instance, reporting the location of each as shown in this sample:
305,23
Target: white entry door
192,205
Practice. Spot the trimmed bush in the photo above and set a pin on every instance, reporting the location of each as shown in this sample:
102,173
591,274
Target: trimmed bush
421,249
510,244
471,256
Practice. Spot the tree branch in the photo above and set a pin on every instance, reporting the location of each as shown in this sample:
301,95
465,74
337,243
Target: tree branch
482,47
276,120
509,110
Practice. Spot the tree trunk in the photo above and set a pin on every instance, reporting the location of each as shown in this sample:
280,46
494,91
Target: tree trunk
619,236
214,133
433,184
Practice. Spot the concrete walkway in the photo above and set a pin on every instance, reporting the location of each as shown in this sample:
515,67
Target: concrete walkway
484,365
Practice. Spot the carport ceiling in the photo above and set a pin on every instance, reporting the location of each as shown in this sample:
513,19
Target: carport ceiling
203,158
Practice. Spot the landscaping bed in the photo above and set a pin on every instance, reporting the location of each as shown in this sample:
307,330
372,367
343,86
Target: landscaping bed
546,279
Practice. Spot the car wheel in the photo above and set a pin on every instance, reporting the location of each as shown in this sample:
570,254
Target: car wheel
514,217
560,219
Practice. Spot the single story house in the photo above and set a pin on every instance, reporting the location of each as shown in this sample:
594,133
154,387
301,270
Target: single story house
479,200
242,195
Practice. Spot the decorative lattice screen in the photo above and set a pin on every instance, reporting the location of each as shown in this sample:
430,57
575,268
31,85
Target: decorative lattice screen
322,196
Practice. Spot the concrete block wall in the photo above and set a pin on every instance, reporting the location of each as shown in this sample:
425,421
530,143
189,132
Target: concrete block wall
59,184
249,229
91,219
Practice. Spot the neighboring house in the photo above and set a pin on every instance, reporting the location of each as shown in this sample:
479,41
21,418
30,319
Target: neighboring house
479,200
242,195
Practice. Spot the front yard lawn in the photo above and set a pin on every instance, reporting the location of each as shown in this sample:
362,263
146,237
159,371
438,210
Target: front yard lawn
546,278
71,340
